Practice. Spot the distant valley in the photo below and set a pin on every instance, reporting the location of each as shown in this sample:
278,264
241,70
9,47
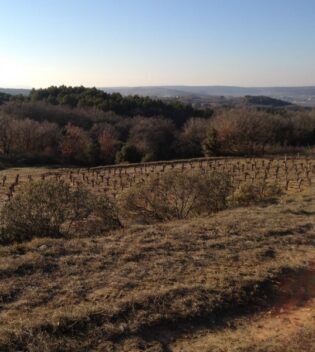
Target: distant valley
296,95
304,96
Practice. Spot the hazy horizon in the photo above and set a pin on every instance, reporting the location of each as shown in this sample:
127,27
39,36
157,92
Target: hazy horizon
162,86
150,43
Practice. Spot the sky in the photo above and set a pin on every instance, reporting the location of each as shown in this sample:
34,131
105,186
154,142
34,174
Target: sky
111,43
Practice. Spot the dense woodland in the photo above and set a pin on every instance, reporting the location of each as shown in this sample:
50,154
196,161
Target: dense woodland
86,126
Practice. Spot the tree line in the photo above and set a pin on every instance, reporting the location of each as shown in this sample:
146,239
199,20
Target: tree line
80,126
81,97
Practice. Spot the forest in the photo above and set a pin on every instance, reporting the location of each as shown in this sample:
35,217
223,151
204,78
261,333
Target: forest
86,126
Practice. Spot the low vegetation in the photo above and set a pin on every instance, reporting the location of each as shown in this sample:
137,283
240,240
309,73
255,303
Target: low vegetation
148,287
251,193
200,254
52,208
49,208
177,195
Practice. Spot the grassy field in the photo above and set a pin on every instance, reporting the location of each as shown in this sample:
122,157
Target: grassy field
229,282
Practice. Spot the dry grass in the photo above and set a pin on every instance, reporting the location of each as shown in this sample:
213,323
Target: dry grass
141,288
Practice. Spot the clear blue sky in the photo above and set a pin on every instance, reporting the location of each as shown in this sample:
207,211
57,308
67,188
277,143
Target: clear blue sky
157,42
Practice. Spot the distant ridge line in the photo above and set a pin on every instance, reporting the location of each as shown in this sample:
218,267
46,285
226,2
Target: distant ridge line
301,95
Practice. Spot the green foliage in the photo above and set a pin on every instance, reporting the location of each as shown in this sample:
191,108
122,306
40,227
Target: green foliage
128,153
176,195
211,145
251,193
51,208
4,97
190,139
265,101
153,137
129,106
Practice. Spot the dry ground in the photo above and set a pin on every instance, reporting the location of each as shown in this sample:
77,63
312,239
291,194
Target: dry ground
223,283
286,329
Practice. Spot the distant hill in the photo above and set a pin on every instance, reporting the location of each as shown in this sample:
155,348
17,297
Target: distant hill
213,90
265,101
296,95
14,91
304,96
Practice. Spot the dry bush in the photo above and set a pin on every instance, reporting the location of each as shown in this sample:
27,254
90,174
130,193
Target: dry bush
260,192
191,137
176,195
101,217
243,131
51,208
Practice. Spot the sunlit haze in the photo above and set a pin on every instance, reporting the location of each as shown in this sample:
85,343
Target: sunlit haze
157,42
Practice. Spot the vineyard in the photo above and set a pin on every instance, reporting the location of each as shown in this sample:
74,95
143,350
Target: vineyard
177,285
292,174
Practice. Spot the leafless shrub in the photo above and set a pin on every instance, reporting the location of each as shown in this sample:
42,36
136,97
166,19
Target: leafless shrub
176,195
51,208
259,192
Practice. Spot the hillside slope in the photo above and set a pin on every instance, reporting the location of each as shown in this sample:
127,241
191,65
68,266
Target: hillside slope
144,287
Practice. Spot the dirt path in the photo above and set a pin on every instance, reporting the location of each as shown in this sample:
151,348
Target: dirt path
283,325
270,330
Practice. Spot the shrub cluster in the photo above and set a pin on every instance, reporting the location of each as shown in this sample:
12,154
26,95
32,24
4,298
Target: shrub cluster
252,193
174,195
51,208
